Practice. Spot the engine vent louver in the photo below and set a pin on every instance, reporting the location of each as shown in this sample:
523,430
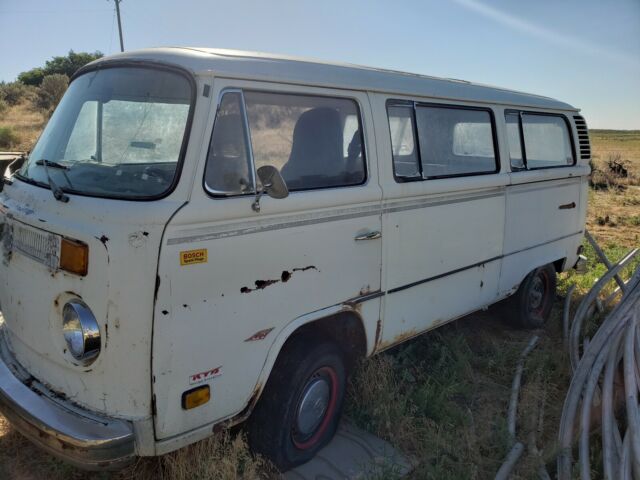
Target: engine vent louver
583,137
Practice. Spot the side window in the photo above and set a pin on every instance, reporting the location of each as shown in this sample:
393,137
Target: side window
228,165
515,140
546,141
455,141
403,148
315,142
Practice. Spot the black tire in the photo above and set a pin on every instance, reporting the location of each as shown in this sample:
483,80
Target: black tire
531,305
305,366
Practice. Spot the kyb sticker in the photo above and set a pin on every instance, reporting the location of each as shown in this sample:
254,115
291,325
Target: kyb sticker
204,376
190,257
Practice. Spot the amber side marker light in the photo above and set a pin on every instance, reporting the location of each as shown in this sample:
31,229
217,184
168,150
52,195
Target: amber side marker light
195,397
74,257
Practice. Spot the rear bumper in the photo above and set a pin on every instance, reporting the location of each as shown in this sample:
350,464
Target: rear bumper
81,438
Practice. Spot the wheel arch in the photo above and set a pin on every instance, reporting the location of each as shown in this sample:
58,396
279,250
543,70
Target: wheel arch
342,323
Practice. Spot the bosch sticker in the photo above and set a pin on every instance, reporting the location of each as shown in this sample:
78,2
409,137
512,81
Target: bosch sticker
189,257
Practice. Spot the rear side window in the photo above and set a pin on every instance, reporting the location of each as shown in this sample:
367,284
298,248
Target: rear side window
315,142
546,140
406,163
455,141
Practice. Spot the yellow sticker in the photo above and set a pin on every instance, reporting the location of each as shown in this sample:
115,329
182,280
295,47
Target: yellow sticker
190,257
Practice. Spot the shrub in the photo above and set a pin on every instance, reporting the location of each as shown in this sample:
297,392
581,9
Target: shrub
13,93
64,65
612,175
3,105
51,91
8,138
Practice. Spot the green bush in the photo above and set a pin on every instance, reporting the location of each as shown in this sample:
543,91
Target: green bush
64,65
3,105
8,138
51,91
13,93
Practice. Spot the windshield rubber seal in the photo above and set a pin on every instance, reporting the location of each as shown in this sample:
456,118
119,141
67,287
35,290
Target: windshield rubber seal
152,65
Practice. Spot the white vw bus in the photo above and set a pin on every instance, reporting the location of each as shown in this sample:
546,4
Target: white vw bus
202,237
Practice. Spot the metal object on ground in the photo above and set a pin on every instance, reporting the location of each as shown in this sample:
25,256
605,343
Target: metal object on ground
353,454
614,349
510,462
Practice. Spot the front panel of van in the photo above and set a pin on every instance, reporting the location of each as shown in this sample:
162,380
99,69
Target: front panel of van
121,224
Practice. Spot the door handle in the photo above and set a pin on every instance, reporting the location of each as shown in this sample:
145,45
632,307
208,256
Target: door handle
567,206
368,236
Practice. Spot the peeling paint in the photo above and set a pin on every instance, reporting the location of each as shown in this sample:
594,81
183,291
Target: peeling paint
260,335
285,276
138,239
365,290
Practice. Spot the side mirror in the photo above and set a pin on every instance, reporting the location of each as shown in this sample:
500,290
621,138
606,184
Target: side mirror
272,184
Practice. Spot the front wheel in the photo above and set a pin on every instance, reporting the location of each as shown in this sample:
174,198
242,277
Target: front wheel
300,407
531,305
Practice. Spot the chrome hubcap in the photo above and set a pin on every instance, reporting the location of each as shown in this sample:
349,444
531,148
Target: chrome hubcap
313,405
536,293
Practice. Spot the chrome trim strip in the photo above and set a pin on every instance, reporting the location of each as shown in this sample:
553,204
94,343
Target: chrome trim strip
265,225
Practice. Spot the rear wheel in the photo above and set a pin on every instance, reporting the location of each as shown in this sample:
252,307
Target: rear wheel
531,305
300,407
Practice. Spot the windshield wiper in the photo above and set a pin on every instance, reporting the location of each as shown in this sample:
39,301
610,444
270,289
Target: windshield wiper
49,163
58,193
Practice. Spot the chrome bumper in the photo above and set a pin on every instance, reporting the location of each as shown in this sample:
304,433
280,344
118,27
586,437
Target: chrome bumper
86,441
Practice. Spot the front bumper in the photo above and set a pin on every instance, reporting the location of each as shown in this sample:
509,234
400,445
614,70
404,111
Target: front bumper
76,436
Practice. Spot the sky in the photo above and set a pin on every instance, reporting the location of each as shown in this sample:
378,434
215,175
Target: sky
583,52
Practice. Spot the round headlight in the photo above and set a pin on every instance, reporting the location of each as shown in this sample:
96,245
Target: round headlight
81,331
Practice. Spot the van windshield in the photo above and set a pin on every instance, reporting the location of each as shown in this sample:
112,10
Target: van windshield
118,132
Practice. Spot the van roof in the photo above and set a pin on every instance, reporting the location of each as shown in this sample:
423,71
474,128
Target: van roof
281,68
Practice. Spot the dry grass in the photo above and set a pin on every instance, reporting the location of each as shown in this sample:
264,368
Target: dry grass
225,456
614,213
26,122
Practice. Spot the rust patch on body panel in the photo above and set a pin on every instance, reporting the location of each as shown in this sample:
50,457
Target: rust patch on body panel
244,414
260,335
378,334
401,337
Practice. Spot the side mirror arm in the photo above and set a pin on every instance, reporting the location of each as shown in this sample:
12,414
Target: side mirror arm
255,206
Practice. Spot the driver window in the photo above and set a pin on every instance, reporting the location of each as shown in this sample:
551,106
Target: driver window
315,141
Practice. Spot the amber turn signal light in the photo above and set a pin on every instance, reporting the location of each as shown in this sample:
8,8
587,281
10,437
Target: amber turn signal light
195,397
74,257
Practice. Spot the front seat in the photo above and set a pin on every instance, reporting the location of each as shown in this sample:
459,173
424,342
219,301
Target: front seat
316,158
